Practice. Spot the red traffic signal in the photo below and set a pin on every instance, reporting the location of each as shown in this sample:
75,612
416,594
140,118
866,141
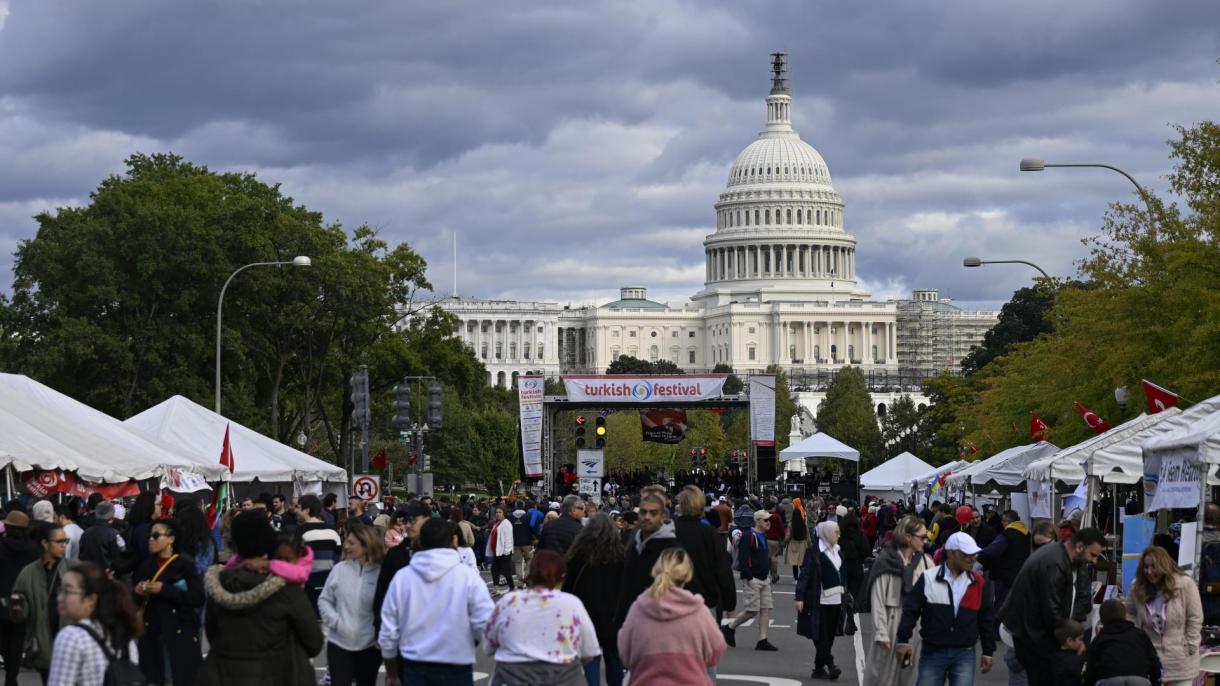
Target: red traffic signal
580,420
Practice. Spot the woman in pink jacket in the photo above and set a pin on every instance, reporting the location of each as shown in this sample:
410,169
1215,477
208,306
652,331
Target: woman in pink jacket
669,637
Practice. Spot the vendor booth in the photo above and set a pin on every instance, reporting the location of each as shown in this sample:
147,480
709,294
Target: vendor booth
929,486
257,458
889,479
1003,472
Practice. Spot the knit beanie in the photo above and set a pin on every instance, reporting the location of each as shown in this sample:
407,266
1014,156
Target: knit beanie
252,534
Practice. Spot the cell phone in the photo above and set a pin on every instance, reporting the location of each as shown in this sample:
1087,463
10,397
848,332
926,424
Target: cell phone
906,661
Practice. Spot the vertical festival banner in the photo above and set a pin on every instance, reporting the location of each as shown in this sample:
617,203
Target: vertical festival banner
529,399
762,410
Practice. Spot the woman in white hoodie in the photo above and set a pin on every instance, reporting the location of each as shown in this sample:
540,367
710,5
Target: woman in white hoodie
346,607
500,548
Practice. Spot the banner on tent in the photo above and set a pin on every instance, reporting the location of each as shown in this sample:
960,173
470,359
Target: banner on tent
1040,499
762,410
530,396
1174,479
181,481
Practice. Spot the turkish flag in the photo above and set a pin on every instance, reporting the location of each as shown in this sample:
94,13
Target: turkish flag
1037,428
1159,398
379,460
226,453
1097,424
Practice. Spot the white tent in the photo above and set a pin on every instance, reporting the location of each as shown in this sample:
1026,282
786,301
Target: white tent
1003,472
1124,462
923,482
255,456
819,445
111,442
1198,438
1068,465
893,475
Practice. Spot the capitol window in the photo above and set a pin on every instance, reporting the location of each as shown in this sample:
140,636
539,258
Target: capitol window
483,352
691,356
747,217
540,351
751,329
653,334
674,334
690,334
512,351
631,334
767,214
757,214
751,353
525,351
499,351
540,329
789,216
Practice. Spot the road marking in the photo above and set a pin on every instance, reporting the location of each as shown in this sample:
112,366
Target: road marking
768,680
777,592
750,622
858,644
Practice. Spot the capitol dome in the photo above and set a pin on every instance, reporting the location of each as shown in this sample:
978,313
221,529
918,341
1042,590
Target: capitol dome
779,222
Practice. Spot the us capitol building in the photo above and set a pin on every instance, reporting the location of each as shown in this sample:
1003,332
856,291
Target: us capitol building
780,288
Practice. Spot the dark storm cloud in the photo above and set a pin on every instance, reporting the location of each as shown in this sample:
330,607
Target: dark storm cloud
575,147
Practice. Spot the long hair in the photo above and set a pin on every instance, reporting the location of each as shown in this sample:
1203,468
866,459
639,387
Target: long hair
142,509
1156,558
192,534
115,610
799,528
672,570
597,543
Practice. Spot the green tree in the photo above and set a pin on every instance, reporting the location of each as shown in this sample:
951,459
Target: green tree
1022,318
847,415
900,429
626,364
1152,311
733,384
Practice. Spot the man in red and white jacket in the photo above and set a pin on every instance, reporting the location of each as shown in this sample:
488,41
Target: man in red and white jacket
956,609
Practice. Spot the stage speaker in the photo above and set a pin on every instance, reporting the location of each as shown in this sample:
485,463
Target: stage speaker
766,463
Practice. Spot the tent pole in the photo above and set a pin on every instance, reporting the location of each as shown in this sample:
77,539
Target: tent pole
1195,564
8,481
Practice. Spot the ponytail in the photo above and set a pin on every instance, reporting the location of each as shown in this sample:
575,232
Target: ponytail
672,570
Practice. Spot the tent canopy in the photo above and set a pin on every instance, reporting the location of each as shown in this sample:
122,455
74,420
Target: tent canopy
923,480
255,456
1003,472
893,474
116,447
1197,433
819,445
44,429
1123,462
1068,465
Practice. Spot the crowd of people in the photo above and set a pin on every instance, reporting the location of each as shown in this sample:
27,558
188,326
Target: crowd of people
641,583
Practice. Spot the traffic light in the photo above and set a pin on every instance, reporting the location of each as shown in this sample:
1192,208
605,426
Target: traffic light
600,430
402,406
360,395
579,432
434,405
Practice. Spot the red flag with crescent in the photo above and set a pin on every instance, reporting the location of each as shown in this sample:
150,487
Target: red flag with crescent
226,453
1037,428
1097,424
1159,398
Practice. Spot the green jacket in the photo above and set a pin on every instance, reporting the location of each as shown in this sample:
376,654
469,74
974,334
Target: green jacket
31,585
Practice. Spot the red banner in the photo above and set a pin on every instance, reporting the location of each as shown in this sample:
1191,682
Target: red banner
45,483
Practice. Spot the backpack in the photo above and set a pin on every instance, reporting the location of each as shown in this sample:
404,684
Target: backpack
120,670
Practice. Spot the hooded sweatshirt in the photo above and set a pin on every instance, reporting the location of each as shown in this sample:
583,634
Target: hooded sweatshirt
671,641
434,610
346,605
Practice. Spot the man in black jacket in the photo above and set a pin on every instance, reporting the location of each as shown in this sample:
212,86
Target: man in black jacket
558,534
397,558
651,537
16,551
102,544
1052,586
1005,555
713,577
955,608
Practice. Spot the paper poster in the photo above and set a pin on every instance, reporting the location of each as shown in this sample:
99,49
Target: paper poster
1021,503
1039,500
1186,547
1177,481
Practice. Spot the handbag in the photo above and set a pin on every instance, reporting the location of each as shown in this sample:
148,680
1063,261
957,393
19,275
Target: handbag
847,617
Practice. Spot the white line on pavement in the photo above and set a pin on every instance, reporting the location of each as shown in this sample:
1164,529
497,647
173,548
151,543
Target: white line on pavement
858,644
768,680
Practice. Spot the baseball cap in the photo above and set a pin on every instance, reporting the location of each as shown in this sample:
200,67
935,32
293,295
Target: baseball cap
963,543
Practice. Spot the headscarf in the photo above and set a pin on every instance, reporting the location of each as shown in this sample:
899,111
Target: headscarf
825,529
799,506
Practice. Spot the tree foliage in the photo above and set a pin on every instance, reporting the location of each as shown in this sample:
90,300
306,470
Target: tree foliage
1023,318
626,364
733,384
847,414
1152,310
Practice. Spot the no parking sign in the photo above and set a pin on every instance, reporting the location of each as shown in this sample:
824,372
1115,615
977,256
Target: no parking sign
367,487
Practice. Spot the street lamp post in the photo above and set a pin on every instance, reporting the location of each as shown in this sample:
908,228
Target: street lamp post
1033,164
298,261
1120,397
976,262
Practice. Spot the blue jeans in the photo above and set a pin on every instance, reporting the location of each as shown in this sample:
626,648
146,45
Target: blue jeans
435,673
1016,673
954,664
614,669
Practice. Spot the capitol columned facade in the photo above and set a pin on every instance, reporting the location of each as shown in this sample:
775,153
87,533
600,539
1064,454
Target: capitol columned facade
780,288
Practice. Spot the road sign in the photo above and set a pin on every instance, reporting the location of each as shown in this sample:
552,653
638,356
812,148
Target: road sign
404,438
593,487
590,464
367,487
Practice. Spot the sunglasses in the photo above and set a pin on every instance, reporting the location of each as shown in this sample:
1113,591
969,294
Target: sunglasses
155,536
61,541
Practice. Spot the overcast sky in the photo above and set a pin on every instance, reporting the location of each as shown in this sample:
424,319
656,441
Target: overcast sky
575,147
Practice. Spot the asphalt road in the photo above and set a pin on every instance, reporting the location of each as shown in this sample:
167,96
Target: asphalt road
744,666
